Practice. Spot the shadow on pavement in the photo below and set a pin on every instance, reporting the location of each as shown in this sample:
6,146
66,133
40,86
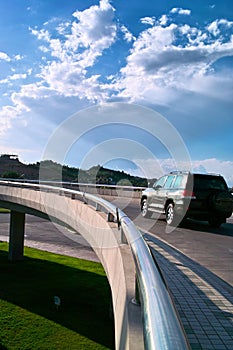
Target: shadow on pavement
225,229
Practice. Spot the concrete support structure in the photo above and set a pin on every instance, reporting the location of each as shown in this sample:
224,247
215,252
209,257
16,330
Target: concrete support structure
16,242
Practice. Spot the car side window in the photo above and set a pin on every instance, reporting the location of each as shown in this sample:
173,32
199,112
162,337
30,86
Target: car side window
159,183
178,182
169,181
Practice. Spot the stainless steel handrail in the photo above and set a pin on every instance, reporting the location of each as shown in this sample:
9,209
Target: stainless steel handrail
67,183
162,328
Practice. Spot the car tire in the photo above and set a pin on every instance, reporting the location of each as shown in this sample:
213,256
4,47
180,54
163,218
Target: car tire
216,222
144,209
170,215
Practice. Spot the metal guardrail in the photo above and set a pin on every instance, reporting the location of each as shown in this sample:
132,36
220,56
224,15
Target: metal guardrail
71,184
162,327
97,189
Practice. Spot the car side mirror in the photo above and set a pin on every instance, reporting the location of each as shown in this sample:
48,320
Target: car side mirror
157,187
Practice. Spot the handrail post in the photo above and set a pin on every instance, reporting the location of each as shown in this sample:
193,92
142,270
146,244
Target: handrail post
84,198
123,237
97,207
16,242
110,217
136,299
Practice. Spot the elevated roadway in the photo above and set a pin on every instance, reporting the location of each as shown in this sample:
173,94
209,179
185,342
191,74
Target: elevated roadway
211,248
152,324
199,279
196,260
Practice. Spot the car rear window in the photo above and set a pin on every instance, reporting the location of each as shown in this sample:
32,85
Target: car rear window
209,182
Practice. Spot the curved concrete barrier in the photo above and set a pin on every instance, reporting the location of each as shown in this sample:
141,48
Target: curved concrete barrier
103,236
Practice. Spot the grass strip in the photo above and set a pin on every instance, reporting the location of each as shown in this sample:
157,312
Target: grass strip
29,318
4,210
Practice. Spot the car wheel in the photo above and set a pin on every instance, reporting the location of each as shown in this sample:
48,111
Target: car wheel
144,209
216,223
170,214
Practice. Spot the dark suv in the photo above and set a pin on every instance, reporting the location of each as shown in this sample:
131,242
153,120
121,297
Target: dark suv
181,195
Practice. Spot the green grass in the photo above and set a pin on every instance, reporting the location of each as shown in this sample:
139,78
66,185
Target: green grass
28,316
3,210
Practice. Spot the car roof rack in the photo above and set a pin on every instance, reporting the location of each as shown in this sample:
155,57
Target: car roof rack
214,174
189,172
179,172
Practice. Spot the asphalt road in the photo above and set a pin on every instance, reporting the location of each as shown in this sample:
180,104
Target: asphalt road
211,248
46,235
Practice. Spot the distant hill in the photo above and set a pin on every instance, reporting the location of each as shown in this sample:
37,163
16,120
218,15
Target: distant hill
11,167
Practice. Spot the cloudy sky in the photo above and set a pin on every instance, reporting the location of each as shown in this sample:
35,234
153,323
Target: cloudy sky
59,57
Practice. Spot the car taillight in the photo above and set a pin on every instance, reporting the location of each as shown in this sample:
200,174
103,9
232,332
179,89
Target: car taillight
189,194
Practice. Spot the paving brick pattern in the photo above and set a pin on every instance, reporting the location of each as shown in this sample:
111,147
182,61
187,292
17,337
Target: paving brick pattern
204,301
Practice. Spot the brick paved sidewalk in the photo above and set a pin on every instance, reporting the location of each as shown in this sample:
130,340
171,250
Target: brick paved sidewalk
203,301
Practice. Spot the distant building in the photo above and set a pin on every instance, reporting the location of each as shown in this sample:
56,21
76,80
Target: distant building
9,157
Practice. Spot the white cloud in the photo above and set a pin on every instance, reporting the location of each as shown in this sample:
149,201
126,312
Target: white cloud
159,63
43,48
18,76
85,39
4,81
148,20
93,31
215,27
216,166
13,78
181,11
95,27
7,114
41,34
30,91
154,168
128,36
163,20
79,43
157,68
4,57
63,28
18,57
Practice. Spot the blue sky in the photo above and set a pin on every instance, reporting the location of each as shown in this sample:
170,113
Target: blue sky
59,57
